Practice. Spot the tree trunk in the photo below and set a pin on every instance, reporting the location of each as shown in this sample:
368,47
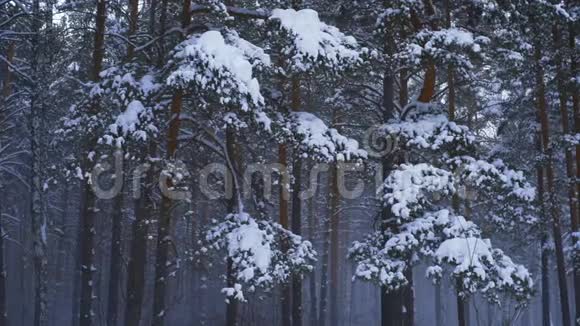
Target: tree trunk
544,249
568,152
133,24
391,302
6,92
410,289
545,257
438,305
3,310
461,315
138,251
296,210
297,308
334,245
576,118
87,257
117,216
312,283
39,223
116,254
326,242
165,219
286,299
550,190
89,202
233,156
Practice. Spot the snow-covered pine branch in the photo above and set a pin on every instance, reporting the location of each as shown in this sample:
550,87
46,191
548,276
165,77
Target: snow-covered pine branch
262,253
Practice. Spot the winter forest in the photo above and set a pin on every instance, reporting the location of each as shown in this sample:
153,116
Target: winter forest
289,162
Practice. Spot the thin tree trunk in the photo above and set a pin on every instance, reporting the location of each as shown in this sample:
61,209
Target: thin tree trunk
568,153
410,289
544,250
312,283
334,245
138,252
391,302
6,92
297,308
462,305
39,225
438,305
3,308
286,299
117,216
76,286
87,257
133,24
461,315
550,190
234,156
572,31
115,267
165,218
296,211
88,208
324,271
545,257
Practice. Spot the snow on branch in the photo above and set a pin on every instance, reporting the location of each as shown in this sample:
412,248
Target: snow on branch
220,70
478,267
314,138
309,43
431,131
230,10
452,45
510,194
207,63
450,241
262,253
405,190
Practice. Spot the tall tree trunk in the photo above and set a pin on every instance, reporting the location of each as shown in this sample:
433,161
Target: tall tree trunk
462,305
3,310
164,222
133,24
568,152
233,156
544,248
410,289
296,210
117,216
391,302
6,92
312,230
324,269
165,219
89,201
550,190
116,254
286,299
545,261
138,250
87,257
438,305
334,244
39,224
572,31
297,308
